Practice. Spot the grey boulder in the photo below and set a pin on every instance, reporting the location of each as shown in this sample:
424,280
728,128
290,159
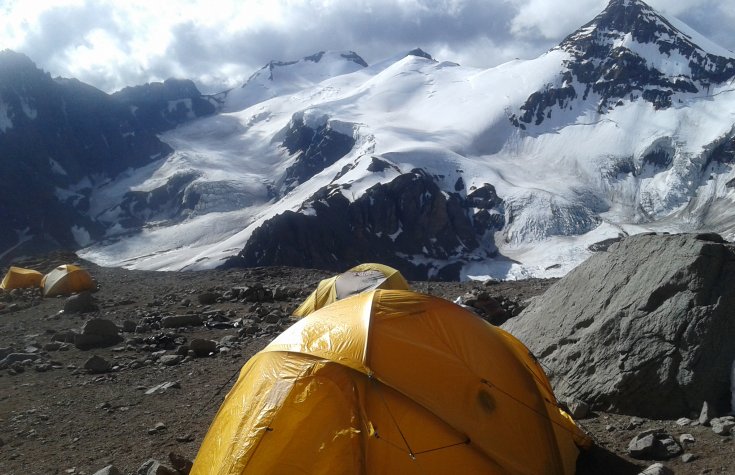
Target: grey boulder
653,444
97,333
642,329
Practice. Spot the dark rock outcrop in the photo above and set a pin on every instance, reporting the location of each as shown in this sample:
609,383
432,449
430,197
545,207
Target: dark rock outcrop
171,201
392,223
642,329
315,149
161,106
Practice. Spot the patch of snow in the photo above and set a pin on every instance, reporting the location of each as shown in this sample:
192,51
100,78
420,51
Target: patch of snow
174,106
81,235
6,123
29,111
671,64
56,167
65,195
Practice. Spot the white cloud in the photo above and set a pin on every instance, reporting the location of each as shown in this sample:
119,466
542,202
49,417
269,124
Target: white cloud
553,20
219,43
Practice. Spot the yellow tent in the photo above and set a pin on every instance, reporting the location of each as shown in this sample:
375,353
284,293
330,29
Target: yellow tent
20,278
360,278
65,280
391,382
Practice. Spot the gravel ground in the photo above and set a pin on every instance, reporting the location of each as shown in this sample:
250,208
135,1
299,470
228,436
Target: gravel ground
57,418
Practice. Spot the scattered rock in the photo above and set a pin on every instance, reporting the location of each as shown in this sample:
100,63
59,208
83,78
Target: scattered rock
653,444
280,293
97,364
163,387
159,427
180,463
228,340
208,298
14,358
175,321
722,425
185,438
687,457
657,469
488,307
154,467
97,333
683,421
272,318
704,414
109,470
634,422
578,409
171,360
686,439
6,351
82,302
202,347
52,346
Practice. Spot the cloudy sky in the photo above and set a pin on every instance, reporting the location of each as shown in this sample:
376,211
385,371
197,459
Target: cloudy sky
219,43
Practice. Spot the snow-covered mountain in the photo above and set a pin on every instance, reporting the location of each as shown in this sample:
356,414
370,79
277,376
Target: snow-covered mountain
443,171
60,139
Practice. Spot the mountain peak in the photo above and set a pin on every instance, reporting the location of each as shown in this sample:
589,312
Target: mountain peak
628,21
321,56
286,77
630,50
420,53
625,17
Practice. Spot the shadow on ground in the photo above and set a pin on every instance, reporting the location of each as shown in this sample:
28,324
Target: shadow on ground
599,461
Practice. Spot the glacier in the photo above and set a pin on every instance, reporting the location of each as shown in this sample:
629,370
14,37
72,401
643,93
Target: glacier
577,174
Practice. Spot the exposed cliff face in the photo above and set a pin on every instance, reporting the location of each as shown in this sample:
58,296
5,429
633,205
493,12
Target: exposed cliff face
406,223
317,146
162,106
53,134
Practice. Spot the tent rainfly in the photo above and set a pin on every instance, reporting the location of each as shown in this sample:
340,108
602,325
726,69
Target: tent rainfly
361,278
20,278
66,279
391,381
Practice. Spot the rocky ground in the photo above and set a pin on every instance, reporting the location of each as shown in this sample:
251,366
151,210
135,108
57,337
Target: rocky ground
69,406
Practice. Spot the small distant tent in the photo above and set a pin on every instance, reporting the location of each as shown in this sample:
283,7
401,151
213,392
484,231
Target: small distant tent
391,382
20,278
361,278
65,280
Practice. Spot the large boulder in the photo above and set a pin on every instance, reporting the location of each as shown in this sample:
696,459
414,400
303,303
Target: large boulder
82,302
97,333
644,329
